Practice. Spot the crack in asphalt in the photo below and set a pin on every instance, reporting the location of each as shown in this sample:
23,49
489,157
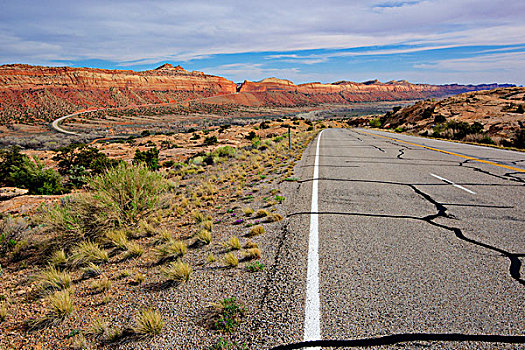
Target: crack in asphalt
397,339
515,263
378,148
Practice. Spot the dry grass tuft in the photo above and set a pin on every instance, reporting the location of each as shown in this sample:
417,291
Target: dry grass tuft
3,312
139,278
231,260
177,271
247,211
88,252
274,217
117,238
61,304
148,323
251,244
171,250
233,243
204,236
207,225
252,253
91,270
101,285
261,213
197,216
256,230
58,258
99,327
53,279
133,250
163,237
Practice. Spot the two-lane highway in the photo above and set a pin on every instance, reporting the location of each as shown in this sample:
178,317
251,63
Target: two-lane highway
411,236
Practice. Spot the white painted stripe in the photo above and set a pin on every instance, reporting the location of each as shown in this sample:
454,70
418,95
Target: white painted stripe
312,319
453,184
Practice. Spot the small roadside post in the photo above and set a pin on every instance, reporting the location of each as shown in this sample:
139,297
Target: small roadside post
289,139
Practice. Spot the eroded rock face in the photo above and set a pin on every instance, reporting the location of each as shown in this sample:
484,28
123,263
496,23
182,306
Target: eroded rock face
34,93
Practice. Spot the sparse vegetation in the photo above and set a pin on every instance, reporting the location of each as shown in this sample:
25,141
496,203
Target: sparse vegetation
228,315
255,266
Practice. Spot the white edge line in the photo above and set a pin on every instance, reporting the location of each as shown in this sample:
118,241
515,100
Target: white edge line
453,184
312,322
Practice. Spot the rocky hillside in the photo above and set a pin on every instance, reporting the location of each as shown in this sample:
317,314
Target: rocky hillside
500,112
36,95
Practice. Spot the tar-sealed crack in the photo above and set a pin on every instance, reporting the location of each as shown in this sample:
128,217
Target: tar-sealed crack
515,263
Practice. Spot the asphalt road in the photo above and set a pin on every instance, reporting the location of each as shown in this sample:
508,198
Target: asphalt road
415,236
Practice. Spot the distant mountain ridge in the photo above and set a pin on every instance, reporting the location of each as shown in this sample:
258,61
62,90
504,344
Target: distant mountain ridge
37,94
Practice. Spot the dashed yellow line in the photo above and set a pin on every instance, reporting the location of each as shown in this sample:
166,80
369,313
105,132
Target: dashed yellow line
447,152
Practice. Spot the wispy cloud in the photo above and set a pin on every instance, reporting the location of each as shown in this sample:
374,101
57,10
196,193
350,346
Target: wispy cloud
134,33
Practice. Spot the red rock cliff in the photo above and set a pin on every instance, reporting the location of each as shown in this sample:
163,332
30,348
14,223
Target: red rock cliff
33,93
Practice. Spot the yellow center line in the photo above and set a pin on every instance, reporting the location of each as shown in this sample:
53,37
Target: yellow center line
447,152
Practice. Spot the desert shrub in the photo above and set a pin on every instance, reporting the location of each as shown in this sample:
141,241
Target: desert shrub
149,157
233,243
439,119
19,170
127,193
225,151
375,123
209,140
251,135
80,156
518,140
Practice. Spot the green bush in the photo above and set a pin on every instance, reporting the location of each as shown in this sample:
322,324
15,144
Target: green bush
128,192
18,170
119,197
149,157
375,123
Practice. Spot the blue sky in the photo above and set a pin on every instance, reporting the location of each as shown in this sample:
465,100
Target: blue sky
423,41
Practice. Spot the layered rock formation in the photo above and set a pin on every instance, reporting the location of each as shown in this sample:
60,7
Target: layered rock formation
36,95
33,93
